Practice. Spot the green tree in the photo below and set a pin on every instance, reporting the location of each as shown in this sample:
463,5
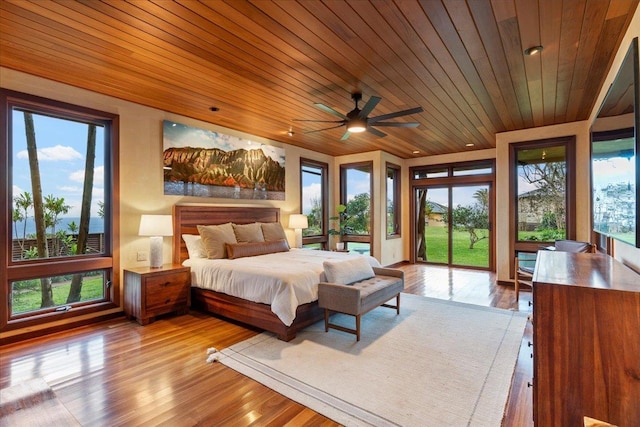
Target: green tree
314,217
358,212
53,208
472,219
549,178
23,203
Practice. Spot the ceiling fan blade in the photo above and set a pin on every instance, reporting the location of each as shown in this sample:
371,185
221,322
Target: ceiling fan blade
317,121
320,130
330,110
376,132
345,136
415,110
397,124
369,106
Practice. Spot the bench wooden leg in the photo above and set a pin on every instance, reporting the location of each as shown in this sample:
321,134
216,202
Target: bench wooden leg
326,320
358,327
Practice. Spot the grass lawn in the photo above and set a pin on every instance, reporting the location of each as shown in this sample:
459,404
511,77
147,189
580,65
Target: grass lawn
30,300
437,244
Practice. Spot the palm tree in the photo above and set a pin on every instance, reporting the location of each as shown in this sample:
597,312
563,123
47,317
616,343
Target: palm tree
38,208
85,212
23,203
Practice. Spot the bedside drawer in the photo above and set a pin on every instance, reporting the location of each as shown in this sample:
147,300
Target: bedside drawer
150,292
167,290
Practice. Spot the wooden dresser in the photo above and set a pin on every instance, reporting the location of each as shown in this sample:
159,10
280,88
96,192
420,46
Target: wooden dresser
586,340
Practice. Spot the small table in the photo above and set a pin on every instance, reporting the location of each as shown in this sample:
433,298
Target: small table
150,292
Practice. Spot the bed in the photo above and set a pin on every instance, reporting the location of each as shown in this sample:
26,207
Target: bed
300,313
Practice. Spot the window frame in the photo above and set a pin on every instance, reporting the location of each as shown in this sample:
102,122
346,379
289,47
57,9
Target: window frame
569,143
322,238
359,238
396,202
108,261
447,178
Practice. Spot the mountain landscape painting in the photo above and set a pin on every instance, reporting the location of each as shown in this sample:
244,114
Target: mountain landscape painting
203,163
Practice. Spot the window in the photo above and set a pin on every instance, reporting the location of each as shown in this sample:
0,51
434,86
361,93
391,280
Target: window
542,193
453,211
356,182
393,200
58,199
314,199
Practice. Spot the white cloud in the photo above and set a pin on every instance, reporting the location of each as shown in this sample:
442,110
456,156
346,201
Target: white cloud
98,176
53,154
17,191
309,193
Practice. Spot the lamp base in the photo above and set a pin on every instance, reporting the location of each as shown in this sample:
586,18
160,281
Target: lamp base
155,251
298,238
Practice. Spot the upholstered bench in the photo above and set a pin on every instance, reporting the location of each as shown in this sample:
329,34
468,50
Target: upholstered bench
372,287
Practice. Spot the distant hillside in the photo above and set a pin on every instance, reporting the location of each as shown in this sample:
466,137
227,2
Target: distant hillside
212,166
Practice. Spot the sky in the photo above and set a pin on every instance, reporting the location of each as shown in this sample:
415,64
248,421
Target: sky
61,146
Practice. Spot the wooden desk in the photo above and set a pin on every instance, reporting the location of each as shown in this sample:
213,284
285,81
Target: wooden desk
586,332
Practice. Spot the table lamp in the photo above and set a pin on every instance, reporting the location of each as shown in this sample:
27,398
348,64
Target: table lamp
298,222
155,226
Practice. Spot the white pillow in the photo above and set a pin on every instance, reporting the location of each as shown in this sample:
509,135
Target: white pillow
346,272
194,245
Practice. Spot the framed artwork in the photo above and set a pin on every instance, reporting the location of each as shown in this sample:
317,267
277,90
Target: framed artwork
202,163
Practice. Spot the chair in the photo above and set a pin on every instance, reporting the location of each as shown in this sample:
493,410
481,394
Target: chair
525,265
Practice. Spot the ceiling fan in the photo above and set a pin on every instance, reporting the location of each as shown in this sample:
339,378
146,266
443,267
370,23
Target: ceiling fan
357,120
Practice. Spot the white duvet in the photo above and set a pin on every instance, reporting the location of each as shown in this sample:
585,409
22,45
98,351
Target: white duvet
283,280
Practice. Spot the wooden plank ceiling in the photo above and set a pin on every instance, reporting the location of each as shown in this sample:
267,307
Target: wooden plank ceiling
265,63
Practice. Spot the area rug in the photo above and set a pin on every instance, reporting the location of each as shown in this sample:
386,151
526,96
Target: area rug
32,403
438,363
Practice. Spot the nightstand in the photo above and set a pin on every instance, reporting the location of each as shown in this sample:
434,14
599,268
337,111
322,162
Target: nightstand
150,292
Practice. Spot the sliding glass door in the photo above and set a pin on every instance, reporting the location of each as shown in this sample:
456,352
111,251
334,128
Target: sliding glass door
452,214
453,225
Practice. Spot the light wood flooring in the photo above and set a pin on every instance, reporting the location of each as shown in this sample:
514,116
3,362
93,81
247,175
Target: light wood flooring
119,373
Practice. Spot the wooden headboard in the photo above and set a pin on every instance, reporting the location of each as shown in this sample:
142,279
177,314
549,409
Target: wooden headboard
187,218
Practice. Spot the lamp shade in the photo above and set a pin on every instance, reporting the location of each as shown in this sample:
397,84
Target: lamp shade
298,221
156,225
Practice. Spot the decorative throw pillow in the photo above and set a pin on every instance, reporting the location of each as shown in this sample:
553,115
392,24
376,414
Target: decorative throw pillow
240,250
247,233
273,231
214,237
348,271
194,245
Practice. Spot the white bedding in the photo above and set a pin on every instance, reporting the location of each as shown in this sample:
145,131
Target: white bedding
283,280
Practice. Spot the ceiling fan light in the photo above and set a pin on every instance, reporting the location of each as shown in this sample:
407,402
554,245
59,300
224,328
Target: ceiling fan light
357,126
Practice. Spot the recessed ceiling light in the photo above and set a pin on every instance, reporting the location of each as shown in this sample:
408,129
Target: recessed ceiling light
291,133
533,50
214,109
469,144
416,151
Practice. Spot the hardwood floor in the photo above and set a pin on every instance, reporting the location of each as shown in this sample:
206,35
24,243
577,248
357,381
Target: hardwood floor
120,373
